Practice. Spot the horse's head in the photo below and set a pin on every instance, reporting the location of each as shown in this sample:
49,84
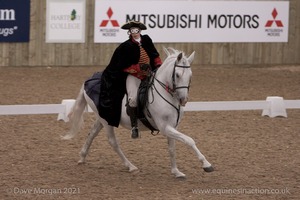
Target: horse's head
178,67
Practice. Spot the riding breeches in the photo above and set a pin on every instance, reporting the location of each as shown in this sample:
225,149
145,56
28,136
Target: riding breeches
132,86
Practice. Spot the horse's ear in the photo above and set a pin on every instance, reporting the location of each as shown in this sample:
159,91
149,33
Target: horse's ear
191,57
172,49
166,51
179,57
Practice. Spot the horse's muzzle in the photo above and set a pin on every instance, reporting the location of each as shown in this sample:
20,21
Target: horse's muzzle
183,101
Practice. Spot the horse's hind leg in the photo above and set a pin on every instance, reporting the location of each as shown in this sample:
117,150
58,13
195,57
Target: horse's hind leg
114,143
172,152
92,134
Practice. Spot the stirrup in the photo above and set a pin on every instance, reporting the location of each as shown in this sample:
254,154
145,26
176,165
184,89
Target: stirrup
135,133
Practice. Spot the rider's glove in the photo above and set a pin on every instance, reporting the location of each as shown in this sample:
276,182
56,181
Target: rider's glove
145,67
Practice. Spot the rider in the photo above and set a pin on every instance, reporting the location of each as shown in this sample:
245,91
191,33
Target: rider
135,57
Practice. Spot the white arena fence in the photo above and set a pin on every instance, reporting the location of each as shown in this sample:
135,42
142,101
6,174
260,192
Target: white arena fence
273,107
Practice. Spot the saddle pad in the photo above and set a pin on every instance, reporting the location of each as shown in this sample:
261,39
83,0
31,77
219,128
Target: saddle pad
92,87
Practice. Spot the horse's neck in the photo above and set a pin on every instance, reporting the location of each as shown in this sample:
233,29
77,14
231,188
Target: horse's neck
164,83
163,99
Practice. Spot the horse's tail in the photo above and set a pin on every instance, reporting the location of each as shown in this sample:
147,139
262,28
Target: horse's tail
76,115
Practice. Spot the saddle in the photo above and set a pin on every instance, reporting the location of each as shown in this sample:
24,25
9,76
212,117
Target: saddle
143,102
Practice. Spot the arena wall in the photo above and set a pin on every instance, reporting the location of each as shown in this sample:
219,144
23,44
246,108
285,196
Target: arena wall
39,53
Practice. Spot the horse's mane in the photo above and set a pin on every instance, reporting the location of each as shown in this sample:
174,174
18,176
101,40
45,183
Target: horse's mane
168,64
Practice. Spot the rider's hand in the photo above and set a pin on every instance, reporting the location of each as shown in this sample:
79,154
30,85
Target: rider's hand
144,73
145,67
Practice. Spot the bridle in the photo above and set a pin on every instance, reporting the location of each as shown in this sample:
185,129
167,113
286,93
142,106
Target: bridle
173,78
172,90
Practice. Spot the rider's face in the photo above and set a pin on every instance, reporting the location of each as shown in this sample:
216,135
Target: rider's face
135,33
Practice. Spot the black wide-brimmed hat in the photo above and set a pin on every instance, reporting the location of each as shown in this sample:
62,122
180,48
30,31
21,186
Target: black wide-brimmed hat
134,24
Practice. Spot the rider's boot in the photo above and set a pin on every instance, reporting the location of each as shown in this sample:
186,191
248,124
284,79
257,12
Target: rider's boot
132,112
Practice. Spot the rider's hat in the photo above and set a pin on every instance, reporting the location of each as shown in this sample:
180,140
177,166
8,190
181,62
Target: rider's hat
134,24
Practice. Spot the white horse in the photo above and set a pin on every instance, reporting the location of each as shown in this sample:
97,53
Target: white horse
168,93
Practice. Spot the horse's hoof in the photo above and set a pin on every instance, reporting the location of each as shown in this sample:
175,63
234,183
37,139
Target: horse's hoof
178,174
208,169
133,169
81,162
134,172
181,177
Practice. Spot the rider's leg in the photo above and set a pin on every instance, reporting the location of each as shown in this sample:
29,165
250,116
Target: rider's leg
132,85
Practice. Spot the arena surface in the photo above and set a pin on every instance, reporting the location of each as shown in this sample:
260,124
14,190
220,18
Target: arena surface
254,157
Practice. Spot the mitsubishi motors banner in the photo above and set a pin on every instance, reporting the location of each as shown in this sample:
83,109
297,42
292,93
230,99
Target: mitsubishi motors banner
194,21
14,20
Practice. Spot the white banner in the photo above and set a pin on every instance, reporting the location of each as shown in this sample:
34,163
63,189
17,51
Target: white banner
194,21
65,21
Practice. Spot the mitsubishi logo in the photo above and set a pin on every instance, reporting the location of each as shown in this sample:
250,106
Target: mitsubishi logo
277,22
113,22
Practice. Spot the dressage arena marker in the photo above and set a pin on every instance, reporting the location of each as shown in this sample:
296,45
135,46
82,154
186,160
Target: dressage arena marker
273,107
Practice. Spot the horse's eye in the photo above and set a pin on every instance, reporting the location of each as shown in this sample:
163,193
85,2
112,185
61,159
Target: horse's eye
177,75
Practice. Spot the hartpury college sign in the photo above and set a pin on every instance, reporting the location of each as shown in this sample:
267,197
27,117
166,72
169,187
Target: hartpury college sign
65,21
195,21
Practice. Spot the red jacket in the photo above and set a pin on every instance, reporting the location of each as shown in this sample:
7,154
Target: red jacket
135,68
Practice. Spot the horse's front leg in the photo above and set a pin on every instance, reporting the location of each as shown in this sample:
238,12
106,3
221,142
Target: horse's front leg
114,143
92,134
173,133
172,152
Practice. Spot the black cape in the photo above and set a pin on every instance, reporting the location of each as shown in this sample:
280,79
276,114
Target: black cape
113,80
